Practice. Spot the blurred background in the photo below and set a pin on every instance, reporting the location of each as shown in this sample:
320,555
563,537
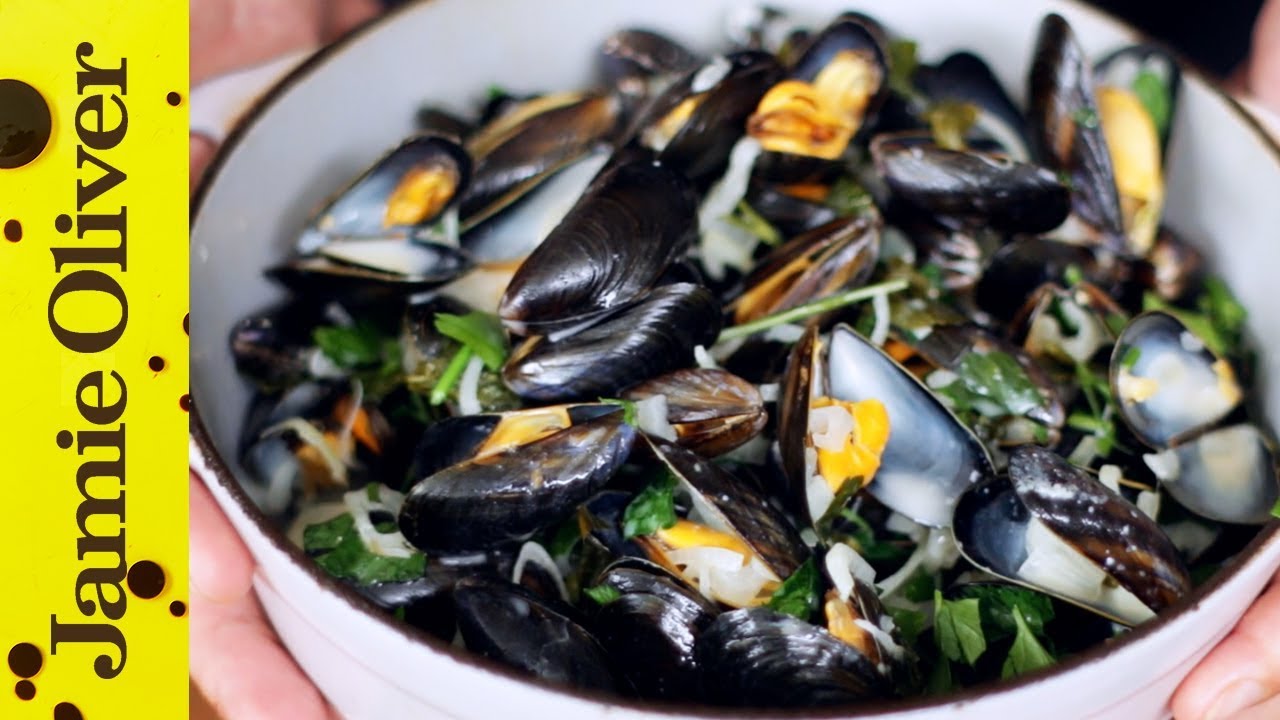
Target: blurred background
1213,35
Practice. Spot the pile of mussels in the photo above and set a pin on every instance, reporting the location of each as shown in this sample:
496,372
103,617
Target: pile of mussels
802,374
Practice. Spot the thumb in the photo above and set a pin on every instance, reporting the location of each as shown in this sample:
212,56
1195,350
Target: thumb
1264,69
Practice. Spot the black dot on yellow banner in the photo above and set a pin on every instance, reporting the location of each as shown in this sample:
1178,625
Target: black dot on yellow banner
66,711
25,124
186,324
184,402
62,223
25,690
25,660
177,608
64,439
12,231
156,363
173,98
145,579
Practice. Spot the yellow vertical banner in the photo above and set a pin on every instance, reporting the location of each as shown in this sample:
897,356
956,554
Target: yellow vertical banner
93,371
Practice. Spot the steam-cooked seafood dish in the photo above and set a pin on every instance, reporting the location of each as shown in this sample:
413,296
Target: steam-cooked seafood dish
797,371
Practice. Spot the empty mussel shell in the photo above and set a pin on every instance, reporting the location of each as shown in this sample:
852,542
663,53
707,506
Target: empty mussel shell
1052,527
1168,383
1227,474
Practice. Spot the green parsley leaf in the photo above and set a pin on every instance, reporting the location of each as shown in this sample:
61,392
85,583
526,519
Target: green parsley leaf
373,492
902,66
957,627
864,539
998,603
399,613
495,91
994,377
628,409
1154,96
653,509
351,346
910,623
1223,309
744,216
565,538
1275,511
326,535
848,197
950,122
479,331
386,526
1131,357
345,555
920,587
1026,654
940,682
603,594
797,596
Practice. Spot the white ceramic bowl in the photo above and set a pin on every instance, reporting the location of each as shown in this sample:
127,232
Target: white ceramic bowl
333,115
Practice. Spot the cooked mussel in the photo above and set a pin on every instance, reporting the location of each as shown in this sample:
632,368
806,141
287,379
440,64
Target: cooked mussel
756,657
734,546
529,471
708,411
528,143
964,78
1052,527
972,187
372,270
651,629
399,196
1227,474
839,255
1168,383
506,623
853,417
606,253
1064,120
654,336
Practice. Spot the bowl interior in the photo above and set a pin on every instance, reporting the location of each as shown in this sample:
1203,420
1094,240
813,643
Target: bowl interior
359,100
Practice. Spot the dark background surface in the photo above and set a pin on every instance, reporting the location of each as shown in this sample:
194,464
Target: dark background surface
1214,34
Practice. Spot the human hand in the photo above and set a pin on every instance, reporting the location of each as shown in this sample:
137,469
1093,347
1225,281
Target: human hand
236,659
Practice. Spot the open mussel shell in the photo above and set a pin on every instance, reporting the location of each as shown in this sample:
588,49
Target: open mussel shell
1148,69
651,630
644,54
839,255
965,78
509,624
725,503
923,485
374,269
695,124
710,411
654,336
1067,325
971,187
407,189
614,244
756,657
427,602
1168,383
274,347
504,497
1052,527
529,142
1227,474
1065,127
789,214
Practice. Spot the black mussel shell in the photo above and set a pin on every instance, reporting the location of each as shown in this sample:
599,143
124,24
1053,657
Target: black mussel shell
507,623
1122,68
638,52
372,270
756,657
979,189
612,246
425,602
790,215
656,335
711,410
506,497
651,630
407,189
965,78
1020,268
1065,126
274,348
526,144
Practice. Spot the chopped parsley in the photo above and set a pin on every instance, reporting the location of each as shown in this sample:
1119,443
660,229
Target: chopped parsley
902,66
1154,95
337,547
957,626
603,594
653,509
798,595
993,384
1026,654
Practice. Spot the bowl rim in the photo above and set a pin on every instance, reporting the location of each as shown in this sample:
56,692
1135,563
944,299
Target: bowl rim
225,476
